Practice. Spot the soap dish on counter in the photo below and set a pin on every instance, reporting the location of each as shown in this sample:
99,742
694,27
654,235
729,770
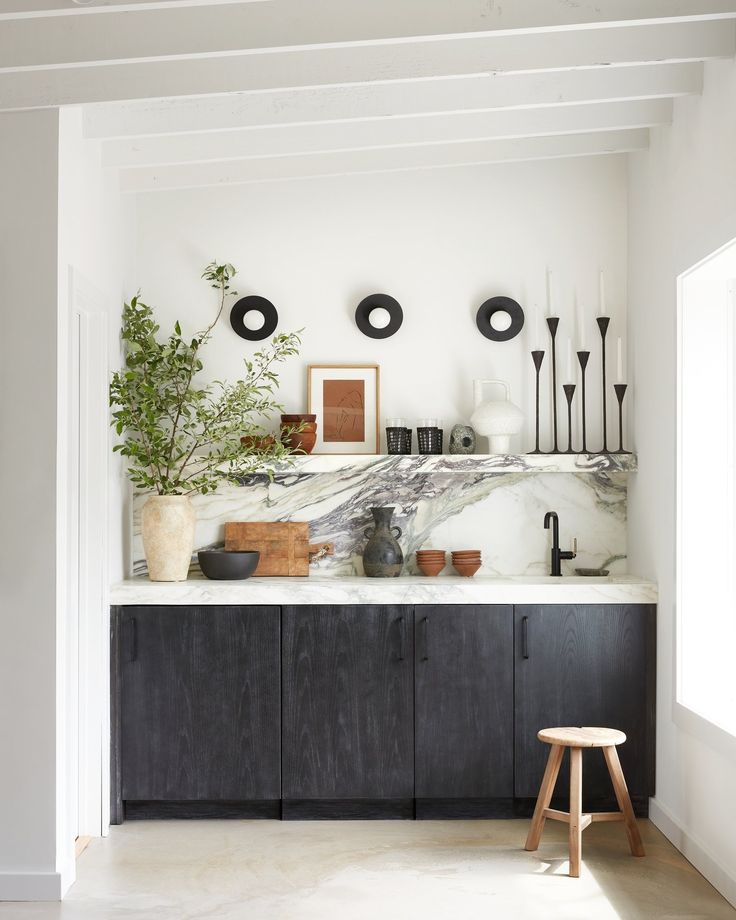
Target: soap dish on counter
592,573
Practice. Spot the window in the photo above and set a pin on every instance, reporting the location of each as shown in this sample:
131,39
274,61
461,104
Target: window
706,513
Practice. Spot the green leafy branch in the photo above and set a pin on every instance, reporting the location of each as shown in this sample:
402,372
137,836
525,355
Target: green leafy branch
180,437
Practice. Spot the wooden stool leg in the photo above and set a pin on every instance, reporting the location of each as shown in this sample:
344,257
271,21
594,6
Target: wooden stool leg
624,802
576,810
545,796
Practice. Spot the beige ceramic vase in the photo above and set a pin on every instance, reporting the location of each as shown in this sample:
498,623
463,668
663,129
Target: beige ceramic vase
167,526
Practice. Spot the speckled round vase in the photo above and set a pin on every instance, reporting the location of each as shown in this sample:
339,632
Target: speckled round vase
382,556
167,526
462,439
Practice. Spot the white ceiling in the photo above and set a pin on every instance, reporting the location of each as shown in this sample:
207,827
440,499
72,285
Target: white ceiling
199,92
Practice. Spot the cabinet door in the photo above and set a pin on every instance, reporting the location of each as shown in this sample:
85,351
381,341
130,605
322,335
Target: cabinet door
200,703
464,702
585,665
348,702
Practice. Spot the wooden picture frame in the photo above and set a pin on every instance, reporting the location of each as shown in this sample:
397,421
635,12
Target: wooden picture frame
346,400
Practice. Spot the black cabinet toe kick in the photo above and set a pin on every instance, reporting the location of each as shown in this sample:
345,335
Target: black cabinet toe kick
360,809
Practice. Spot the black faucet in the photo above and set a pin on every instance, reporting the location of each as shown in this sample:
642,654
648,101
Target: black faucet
557,554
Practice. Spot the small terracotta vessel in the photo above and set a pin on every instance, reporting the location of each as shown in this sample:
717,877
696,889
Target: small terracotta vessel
467,569
431,569
258,443
302,441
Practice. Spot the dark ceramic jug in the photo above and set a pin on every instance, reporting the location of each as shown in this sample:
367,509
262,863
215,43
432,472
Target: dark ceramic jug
382,556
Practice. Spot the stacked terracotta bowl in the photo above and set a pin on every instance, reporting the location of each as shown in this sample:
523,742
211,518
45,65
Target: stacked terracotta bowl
430,561
466,561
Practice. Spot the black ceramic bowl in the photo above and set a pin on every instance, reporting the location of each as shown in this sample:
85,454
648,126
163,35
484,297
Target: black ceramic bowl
223,564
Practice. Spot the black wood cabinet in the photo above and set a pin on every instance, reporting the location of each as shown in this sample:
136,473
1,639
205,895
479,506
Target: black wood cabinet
585,665
464,719
371,710
200,704
348,710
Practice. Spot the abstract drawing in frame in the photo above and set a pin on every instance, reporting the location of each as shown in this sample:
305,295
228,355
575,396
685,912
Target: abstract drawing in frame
345,398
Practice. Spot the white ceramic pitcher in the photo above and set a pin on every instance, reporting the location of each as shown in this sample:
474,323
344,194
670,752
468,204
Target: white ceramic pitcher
497,419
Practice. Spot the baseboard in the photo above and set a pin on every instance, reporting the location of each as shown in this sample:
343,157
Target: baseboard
136,811
346,809
456,809
694,851
34,886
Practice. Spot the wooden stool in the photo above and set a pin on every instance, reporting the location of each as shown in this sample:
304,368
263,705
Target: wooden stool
576,739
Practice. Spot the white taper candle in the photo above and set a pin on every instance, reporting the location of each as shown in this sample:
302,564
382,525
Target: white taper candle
620,364
581,327
550,296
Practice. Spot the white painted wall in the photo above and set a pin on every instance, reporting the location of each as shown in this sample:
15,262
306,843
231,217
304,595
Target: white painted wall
441,242
59,209
97,240
32,861
682,204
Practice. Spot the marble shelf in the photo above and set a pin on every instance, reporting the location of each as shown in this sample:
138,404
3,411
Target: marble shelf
621,589
462,464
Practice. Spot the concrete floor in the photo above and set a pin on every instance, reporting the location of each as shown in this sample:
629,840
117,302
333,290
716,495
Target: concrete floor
374,870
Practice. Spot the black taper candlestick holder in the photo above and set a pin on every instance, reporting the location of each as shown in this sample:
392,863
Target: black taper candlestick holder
537,358
552,323
569,389
620,389
603,322
583,362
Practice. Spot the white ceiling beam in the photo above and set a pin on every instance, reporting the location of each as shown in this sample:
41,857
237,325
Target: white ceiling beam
516,53
19,9
35,9
194,175
364,135
390,100
150,32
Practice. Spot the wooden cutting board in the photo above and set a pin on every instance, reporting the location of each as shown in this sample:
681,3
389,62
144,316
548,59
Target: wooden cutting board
284,546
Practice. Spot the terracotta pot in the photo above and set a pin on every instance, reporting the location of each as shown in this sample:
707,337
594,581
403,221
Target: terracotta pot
254,442
467,569
298,417
430,569
167,526
304,440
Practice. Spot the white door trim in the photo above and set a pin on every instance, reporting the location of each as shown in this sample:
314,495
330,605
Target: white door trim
88,308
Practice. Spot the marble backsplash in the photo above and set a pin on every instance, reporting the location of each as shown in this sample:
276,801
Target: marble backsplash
472,504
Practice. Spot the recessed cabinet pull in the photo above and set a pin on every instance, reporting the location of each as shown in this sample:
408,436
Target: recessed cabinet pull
525,637
402,649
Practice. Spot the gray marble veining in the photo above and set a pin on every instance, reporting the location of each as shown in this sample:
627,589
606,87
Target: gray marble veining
493,504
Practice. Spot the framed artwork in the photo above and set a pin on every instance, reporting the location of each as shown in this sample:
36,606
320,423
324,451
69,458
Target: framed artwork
345,399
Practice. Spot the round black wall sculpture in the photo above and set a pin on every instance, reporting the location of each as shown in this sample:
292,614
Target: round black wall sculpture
366,307
500,305
258,305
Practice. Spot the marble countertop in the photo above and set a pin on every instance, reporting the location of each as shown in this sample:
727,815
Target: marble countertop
622,589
